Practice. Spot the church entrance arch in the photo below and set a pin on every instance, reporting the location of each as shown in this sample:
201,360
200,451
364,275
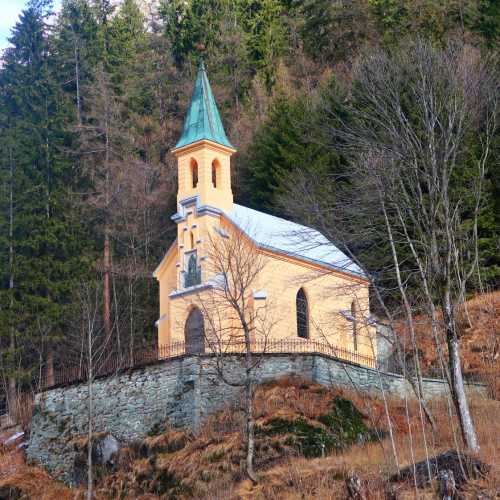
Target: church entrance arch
194,332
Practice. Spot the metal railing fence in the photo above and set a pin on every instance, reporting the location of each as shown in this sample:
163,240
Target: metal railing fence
114,363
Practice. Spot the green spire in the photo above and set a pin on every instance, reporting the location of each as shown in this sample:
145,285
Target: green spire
203,119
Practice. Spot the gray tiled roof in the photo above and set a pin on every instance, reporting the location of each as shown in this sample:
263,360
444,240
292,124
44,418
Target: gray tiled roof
289,238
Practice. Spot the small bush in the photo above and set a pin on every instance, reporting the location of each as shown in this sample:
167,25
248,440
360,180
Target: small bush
335,430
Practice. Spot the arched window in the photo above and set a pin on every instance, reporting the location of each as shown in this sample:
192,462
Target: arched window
193,275
191,240
194,332
215,173
354,315
302,314
194,173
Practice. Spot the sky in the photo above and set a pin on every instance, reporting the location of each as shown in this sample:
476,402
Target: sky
9,14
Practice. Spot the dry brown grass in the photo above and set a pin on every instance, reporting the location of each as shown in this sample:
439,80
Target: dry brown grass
324,478
34,483
294,395
167,442
479,328
211,464
11,461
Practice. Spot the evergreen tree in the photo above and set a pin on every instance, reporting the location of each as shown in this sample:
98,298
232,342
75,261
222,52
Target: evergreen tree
391,17
291,139
266,34
189,25
333,31
127,38
44,239
76,51
103,11
487,22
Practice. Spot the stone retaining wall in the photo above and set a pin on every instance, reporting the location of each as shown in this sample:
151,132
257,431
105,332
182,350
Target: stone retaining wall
182,391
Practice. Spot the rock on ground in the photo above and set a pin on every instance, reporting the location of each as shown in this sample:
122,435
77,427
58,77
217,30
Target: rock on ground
464,467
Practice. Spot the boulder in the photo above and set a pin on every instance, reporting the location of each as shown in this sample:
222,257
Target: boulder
105,451
459,465
11,492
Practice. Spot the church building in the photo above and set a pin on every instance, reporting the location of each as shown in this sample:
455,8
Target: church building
317,295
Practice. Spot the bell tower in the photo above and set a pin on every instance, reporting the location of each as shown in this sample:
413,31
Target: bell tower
203,152
204,174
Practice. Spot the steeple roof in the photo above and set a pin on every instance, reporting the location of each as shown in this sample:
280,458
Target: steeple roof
203,119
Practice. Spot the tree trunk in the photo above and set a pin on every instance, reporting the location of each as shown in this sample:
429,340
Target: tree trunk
131,319
416,386
107,250
12,399
77,81
90,418
250,429
457,381
12,385
458,395
106,286
250,423
50,379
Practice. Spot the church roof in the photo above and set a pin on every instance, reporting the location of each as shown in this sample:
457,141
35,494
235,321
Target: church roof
289,238
203,120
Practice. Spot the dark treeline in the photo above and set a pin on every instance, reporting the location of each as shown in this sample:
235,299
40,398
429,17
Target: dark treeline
92,100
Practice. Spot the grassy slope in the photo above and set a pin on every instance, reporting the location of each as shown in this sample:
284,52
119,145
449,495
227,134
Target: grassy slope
173,464
479,327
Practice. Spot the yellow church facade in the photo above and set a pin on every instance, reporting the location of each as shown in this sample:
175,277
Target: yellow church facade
305,294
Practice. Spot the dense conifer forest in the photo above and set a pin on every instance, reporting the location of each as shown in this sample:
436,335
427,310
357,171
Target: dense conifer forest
92,99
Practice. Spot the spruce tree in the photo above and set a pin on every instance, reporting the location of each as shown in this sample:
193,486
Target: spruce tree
487,22
290,139
76,52
45,250
127,39
189,25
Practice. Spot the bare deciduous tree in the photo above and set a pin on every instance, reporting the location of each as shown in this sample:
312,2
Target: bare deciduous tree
103,147
416,186
88,348
236,321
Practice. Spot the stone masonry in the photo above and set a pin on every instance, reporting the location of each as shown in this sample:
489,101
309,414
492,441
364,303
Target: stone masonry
182,392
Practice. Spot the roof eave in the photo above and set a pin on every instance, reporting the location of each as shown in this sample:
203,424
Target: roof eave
200,143
163,261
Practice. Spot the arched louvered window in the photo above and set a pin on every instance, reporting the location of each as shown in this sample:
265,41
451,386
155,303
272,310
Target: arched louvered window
302,314
194,173
354,315
215,173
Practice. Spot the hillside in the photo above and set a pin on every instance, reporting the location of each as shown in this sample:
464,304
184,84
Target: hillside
479,324
308,440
